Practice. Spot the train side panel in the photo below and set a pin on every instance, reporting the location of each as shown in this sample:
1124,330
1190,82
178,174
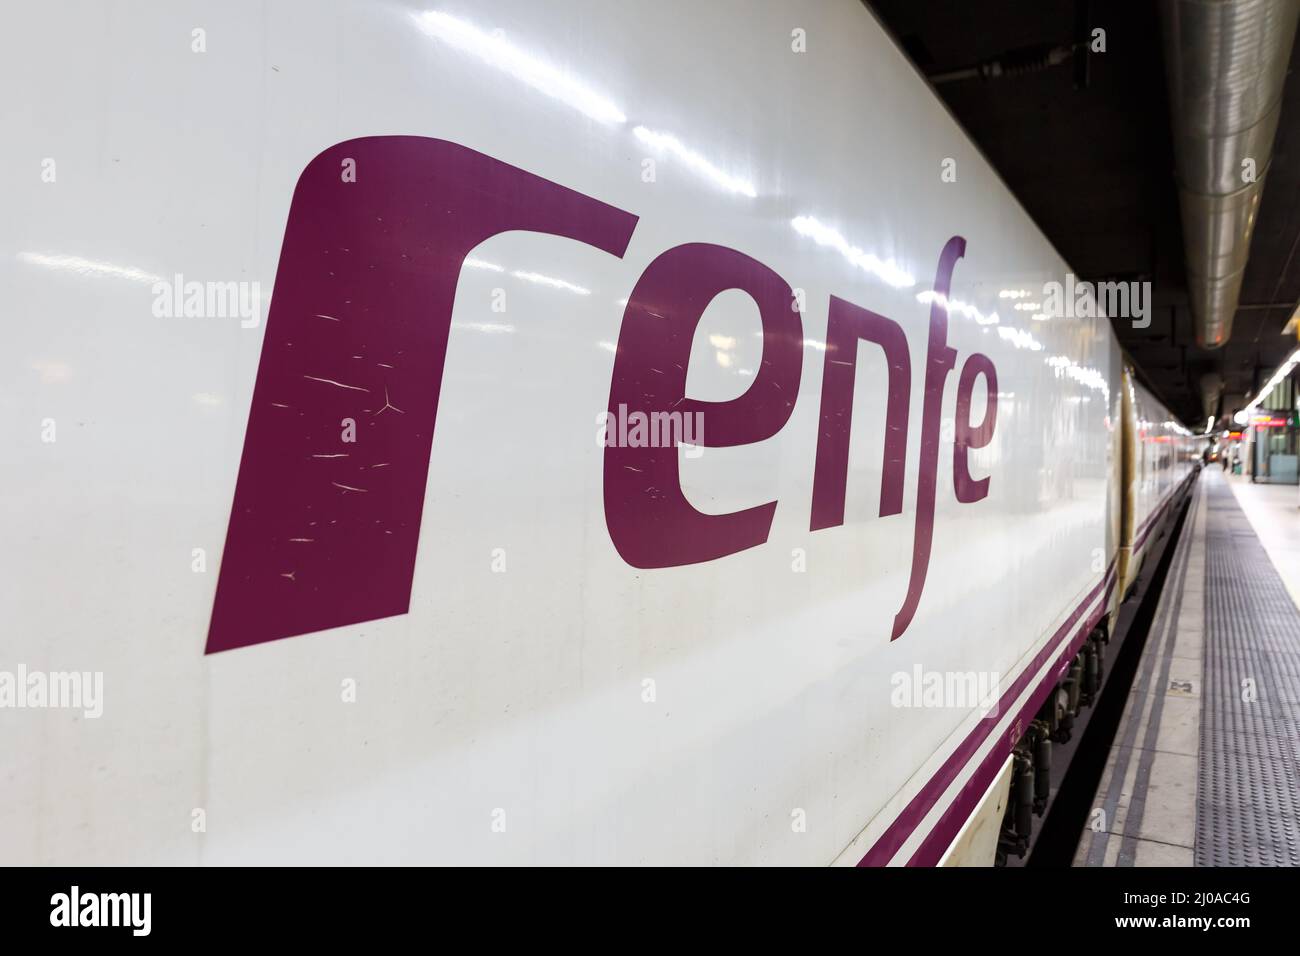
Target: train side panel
542,698
1164,462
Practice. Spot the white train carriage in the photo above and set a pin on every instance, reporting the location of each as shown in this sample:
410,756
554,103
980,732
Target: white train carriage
1160,454
510,432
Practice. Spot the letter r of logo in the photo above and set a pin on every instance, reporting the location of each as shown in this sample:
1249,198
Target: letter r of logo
367,279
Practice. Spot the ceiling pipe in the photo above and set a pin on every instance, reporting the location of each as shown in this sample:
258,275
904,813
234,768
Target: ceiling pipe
1226,63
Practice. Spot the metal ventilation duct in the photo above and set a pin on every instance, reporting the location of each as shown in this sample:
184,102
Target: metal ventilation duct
1226,61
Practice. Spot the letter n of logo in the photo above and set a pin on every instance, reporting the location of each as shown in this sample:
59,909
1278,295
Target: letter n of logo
367,279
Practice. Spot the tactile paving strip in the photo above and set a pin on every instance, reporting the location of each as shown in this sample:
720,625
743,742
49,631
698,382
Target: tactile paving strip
1248,772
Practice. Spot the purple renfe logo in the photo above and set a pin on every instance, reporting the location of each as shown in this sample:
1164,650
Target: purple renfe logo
383,254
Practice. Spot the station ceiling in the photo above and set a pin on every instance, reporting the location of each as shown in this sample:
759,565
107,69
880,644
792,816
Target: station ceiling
1085,144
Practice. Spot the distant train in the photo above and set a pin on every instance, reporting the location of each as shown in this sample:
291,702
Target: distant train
653,450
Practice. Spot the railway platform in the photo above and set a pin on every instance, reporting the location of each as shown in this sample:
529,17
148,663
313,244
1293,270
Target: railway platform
1205,766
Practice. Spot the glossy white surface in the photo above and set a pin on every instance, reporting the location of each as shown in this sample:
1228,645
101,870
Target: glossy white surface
520,691
1165,455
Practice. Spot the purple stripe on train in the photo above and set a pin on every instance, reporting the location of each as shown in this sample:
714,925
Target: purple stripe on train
954,817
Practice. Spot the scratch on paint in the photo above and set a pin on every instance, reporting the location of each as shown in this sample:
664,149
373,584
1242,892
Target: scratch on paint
388,405
330,381
346,487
